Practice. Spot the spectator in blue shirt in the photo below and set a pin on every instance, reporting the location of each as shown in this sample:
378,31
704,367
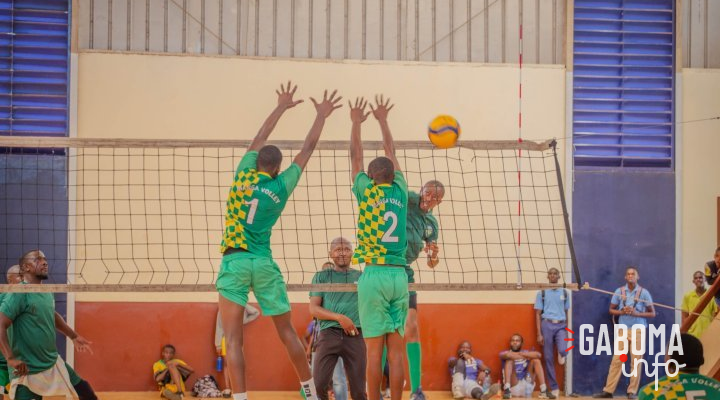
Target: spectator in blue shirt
551,309
631,305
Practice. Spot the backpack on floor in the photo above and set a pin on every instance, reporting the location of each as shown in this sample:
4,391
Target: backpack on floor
206,386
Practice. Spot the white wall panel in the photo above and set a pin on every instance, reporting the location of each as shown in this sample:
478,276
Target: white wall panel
428,30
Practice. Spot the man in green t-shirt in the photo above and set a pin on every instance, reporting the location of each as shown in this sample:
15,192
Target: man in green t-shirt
688,384
13,277
27,339
382,197
340,333
422,235
257,198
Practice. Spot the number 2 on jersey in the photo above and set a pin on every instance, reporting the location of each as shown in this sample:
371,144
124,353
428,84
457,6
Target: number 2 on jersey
388,237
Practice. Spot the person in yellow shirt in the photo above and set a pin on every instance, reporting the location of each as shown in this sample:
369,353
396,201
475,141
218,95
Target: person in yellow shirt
171,373
691,300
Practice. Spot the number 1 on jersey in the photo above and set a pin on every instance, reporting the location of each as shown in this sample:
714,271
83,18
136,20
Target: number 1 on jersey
253,208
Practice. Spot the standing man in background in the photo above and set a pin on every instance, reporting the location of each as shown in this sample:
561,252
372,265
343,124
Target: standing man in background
28,322
339,340
551,316
631,304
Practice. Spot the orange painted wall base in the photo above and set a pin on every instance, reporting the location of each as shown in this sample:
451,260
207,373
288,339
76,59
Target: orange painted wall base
127,338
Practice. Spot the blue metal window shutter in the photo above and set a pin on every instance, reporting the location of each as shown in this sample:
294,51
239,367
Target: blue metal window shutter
623,83
34,58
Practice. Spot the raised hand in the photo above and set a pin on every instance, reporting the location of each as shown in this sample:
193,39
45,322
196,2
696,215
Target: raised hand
328,105
285,96
82,345
382,108
432,251
357,112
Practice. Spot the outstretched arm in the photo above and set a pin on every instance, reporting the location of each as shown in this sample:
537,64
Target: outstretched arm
81,344
380,111
358,116
324,109
285,101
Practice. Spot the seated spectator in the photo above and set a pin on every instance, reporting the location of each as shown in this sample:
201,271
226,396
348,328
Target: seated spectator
520,369
250,315
170,373
688,380
470,376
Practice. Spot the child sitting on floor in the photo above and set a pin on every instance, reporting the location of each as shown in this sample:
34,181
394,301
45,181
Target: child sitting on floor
170,373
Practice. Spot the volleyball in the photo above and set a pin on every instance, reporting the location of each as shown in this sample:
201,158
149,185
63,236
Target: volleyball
444,131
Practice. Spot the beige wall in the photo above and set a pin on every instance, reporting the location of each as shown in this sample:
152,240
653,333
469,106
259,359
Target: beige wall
700,173
162,96
150,96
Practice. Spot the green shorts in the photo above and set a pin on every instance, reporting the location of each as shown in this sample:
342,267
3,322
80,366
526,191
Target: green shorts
382,300
241,272
23,393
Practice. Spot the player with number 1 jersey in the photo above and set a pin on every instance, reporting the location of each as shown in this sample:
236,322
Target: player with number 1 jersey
256,200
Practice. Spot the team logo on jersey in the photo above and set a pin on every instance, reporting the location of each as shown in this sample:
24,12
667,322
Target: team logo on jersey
429,230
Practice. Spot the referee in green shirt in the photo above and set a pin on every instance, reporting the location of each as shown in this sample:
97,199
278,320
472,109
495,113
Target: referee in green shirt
340,331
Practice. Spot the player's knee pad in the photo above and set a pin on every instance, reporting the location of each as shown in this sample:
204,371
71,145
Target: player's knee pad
85,391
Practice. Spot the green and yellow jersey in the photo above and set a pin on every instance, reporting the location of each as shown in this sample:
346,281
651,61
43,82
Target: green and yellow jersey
382,220
254,205
681,387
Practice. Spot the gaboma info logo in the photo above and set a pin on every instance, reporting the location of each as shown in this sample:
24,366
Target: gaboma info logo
638,339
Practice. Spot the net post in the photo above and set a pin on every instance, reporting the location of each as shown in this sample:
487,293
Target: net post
566,217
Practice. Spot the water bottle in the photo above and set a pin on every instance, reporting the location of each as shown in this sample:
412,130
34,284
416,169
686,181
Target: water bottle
219,364
529,386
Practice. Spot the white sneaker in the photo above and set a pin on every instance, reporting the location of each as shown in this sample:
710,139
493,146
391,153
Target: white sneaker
556,393
561,359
